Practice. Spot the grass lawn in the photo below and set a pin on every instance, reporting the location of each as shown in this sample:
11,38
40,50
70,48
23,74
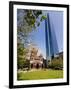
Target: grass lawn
40,74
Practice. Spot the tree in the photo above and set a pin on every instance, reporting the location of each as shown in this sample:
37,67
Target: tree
56,63
19,55
27,20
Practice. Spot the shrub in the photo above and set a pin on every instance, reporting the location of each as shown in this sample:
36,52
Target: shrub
56,64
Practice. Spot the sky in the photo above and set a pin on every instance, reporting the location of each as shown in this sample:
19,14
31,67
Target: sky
56,25
38,38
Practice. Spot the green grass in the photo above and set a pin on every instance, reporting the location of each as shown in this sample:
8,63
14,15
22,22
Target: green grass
40,74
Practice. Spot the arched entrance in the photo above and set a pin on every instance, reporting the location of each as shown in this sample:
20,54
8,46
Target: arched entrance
37,65
31,65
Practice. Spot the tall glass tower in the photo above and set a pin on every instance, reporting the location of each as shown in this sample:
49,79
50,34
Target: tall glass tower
51,41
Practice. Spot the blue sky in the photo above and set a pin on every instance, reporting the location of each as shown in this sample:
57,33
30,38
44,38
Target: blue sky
56,24
38,38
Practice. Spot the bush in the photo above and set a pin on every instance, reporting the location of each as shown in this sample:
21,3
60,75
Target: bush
26,64
56,64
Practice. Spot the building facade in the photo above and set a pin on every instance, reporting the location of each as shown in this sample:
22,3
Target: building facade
35,60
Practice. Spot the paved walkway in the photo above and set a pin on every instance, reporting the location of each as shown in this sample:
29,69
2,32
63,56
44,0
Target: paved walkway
31,70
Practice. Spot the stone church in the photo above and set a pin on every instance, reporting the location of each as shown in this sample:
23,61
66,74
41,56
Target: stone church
36,60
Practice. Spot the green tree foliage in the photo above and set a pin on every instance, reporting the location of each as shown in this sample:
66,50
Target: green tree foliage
22,61
56,63
21,55
33,17
28,20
